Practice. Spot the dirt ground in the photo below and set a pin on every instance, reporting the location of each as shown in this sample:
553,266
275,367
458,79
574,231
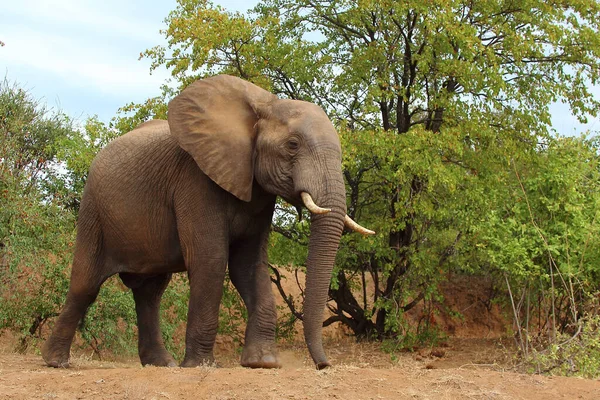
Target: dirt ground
475,363
462,369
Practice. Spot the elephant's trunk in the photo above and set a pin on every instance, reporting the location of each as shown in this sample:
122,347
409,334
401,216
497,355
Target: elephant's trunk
325,232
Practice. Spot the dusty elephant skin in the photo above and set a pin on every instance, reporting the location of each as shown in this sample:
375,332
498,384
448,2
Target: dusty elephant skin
197,193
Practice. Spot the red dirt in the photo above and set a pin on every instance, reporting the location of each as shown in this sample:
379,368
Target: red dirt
466,368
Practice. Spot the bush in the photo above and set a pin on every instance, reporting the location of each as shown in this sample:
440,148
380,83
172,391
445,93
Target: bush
571,355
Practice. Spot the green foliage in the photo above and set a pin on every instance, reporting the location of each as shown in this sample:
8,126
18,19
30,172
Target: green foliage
547,215
232,314
173,314
541,238
37,249
571,355
109,324
35,232
131,115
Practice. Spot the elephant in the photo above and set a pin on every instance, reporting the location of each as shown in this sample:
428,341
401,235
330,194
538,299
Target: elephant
196,193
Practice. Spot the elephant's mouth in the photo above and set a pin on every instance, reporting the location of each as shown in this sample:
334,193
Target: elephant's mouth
348,222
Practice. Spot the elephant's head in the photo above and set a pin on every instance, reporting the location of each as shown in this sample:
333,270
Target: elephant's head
239,133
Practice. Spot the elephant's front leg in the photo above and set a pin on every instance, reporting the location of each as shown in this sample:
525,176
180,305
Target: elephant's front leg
249,273
206,289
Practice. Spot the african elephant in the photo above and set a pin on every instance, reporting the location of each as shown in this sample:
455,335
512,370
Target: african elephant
197,194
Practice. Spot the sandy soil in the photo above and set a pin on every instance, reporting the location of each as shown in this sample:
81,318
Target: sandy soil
475,364
463,369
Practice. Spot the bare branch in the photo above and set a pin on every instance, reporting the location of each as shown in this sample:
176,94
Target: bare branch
287,298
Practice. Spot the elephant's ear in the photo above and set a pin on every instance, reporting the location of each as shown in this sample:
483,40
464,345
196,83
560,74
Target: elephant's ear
214,120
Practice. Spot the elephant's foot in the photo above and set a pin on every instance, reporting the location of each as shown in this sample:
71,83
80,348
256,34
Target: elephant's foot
198,361
158,358
260,356
55,354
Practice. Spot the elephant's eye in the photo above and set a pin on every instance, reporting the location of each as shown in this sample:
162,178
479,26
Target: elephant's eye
293,144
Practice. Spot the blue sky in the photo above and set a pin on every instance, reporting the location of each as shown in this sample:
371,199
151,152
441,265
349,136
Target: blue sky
81,56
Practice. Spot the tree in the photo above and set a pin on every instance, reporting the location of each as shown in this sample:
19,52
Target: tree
30,137
34,232
431,99
543,240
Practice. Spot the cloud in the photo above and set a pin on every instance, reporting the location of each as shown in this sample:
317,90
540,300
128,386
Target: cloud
77,44
112,18
81,62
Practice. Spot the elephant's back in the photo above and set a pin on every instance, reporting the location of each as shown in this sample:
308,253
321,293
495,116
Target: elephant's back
148,152
140,143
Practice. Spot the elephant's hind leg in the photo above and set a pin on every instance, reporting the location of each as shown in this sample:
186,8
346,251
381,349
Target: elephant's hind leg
147,292
83,289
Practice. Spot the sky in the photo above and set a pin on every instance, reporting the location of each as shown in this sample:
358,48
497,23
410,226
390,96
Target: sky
82,56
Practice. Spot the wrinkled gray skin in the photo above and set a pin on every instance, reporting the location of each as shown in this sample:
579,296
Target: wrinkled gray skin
197,194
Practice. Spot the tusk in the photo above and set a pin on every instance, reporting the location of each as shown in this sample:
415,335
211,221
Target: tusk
356,227
310,204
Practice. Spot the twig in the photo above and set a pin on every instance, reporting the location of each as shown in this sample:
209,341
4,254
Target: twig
512,300
287,298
